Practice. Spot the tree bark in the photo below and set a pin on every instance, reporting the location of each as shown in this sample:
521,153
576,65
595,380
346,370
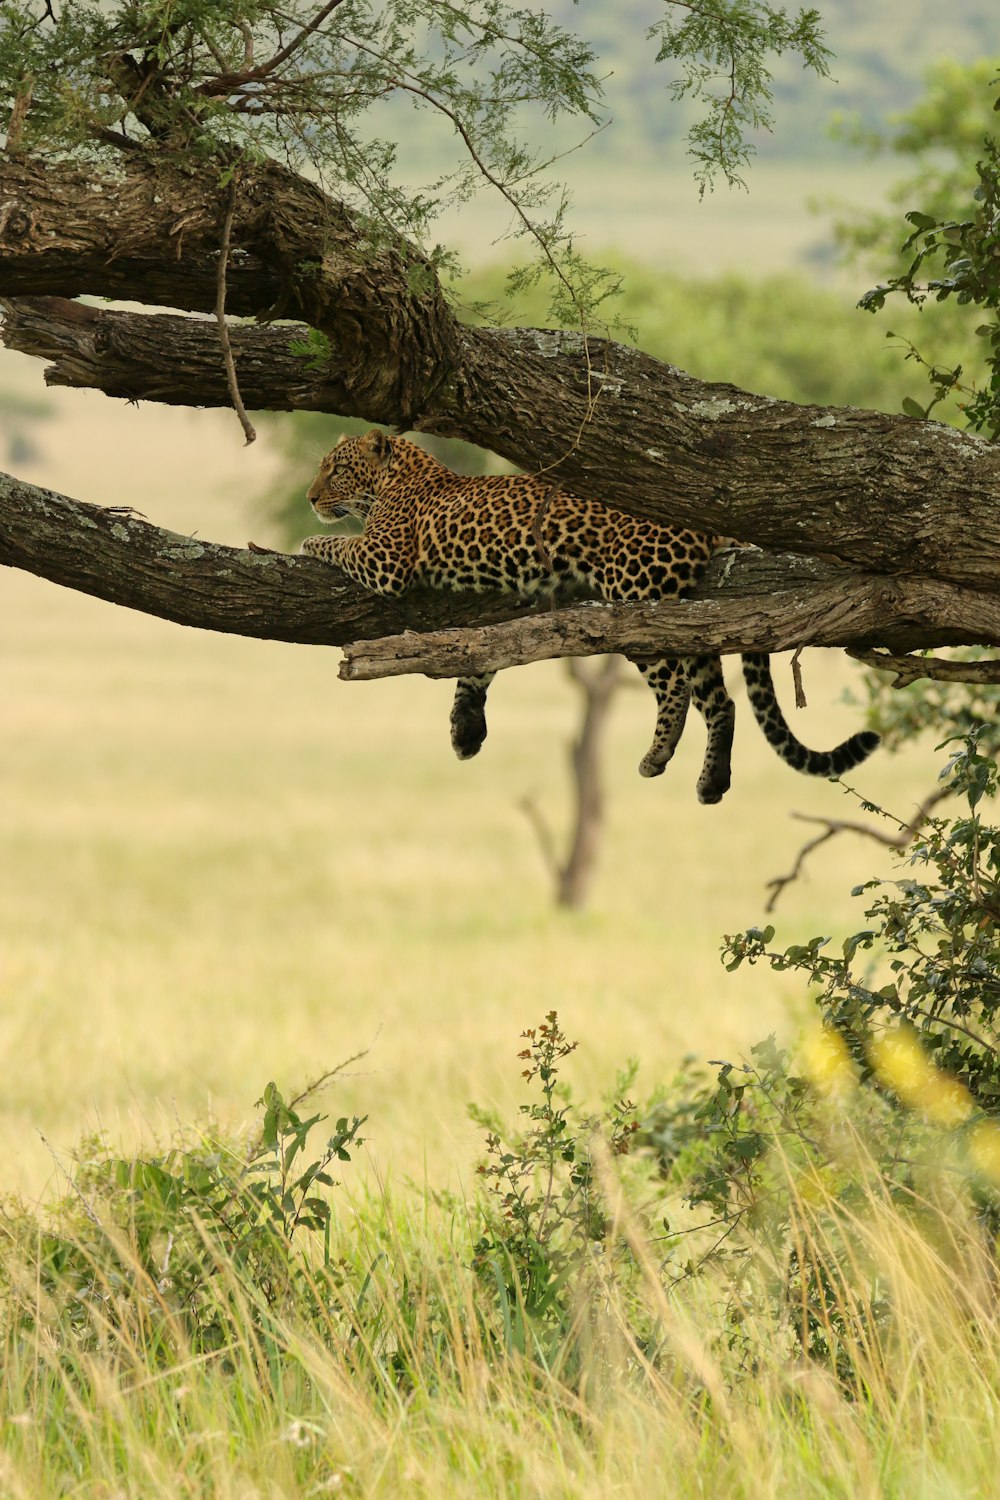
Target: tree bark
114,554
902,613
747,601
884,494
167,358
153,234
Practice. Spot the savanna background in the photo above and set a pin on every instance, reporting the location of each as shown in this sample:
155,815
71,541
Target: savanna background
220,866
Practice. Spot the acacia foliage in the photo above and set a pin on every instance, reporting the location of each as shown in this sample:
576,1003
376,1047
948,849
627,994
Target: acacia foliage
320,87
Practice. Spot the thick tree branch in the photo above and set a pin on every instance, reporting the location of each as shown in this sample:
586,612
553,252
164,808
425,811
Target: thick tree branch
855,607
167,358
152,235
882,493
116,555
748,600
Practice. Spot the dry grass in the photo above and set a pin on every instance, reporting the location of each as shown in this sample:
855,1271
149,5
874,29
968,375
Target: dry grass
914,1416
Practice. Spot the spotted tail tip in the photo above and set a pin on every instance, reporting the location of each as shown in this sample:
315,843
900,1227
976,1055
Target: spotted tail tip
853,751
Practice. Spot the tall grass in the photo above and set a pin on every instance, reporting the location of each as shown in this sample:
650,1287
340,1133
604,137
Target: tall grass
399,1379
847,1341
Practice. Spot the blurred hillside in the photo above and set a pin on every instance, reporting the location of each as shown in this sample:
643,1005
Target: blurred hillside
631,185
880,54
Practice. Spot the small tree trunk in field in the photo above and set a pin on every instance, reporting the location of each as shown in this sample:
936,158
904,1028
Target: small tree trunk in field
598,682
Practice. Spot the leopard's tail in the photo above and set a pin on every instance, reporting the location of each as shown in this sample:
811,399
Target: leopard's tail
760,690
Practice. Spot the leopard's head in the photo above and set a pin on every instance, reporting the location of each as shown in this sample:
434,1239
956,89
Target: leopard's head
351,476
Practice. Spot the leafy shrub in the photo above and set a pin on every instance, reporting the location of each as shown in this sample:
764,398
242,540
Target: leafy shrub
546,1228
935,937
169,1249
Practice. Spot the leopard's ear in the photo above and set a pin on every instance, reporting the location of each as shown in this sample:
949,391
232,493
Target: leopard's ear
380,445
341,439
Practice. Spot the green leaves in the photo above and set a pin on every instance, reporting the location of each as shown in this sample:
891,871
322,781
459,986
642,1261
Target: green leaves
544,1211
936,930
965,253
723,47
171,1222
284,1137
365,93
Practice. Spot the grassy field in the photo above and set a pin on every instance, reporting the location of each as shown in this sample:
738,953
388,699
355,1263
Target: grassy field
467,1423
221,865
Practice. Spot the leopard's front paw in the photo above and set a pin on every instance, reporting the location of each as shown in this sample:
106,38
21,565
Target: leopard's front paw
313,546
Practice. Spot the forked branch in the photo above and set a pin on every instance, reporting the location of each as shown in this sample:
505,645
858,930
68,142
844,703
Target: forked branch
904,834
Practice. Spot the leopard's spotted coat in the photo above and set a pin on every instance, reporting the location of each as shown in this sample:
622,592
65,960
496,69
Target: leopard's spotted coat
425,524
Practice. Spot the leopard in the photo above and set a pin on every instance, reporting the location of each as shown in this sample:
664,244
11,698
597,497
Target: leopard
424,524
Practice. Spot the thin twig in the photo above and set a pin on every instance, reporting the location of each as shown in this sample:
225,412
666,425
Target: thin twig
800,692
337,1071
296,42
777,885
90,1212
220,317
245,28
18,115
225,83
218,54
536,525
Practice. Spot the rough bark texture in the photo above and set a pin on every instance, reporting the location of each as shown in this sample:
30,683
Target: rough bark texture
911,509
153,234
115,555
880,492
168,358
748,600
902,613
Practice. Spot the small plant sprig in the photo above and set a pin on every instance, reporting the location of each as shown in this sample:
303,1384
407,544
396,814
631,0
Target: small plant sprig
287,1197
167,1241
546,1211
